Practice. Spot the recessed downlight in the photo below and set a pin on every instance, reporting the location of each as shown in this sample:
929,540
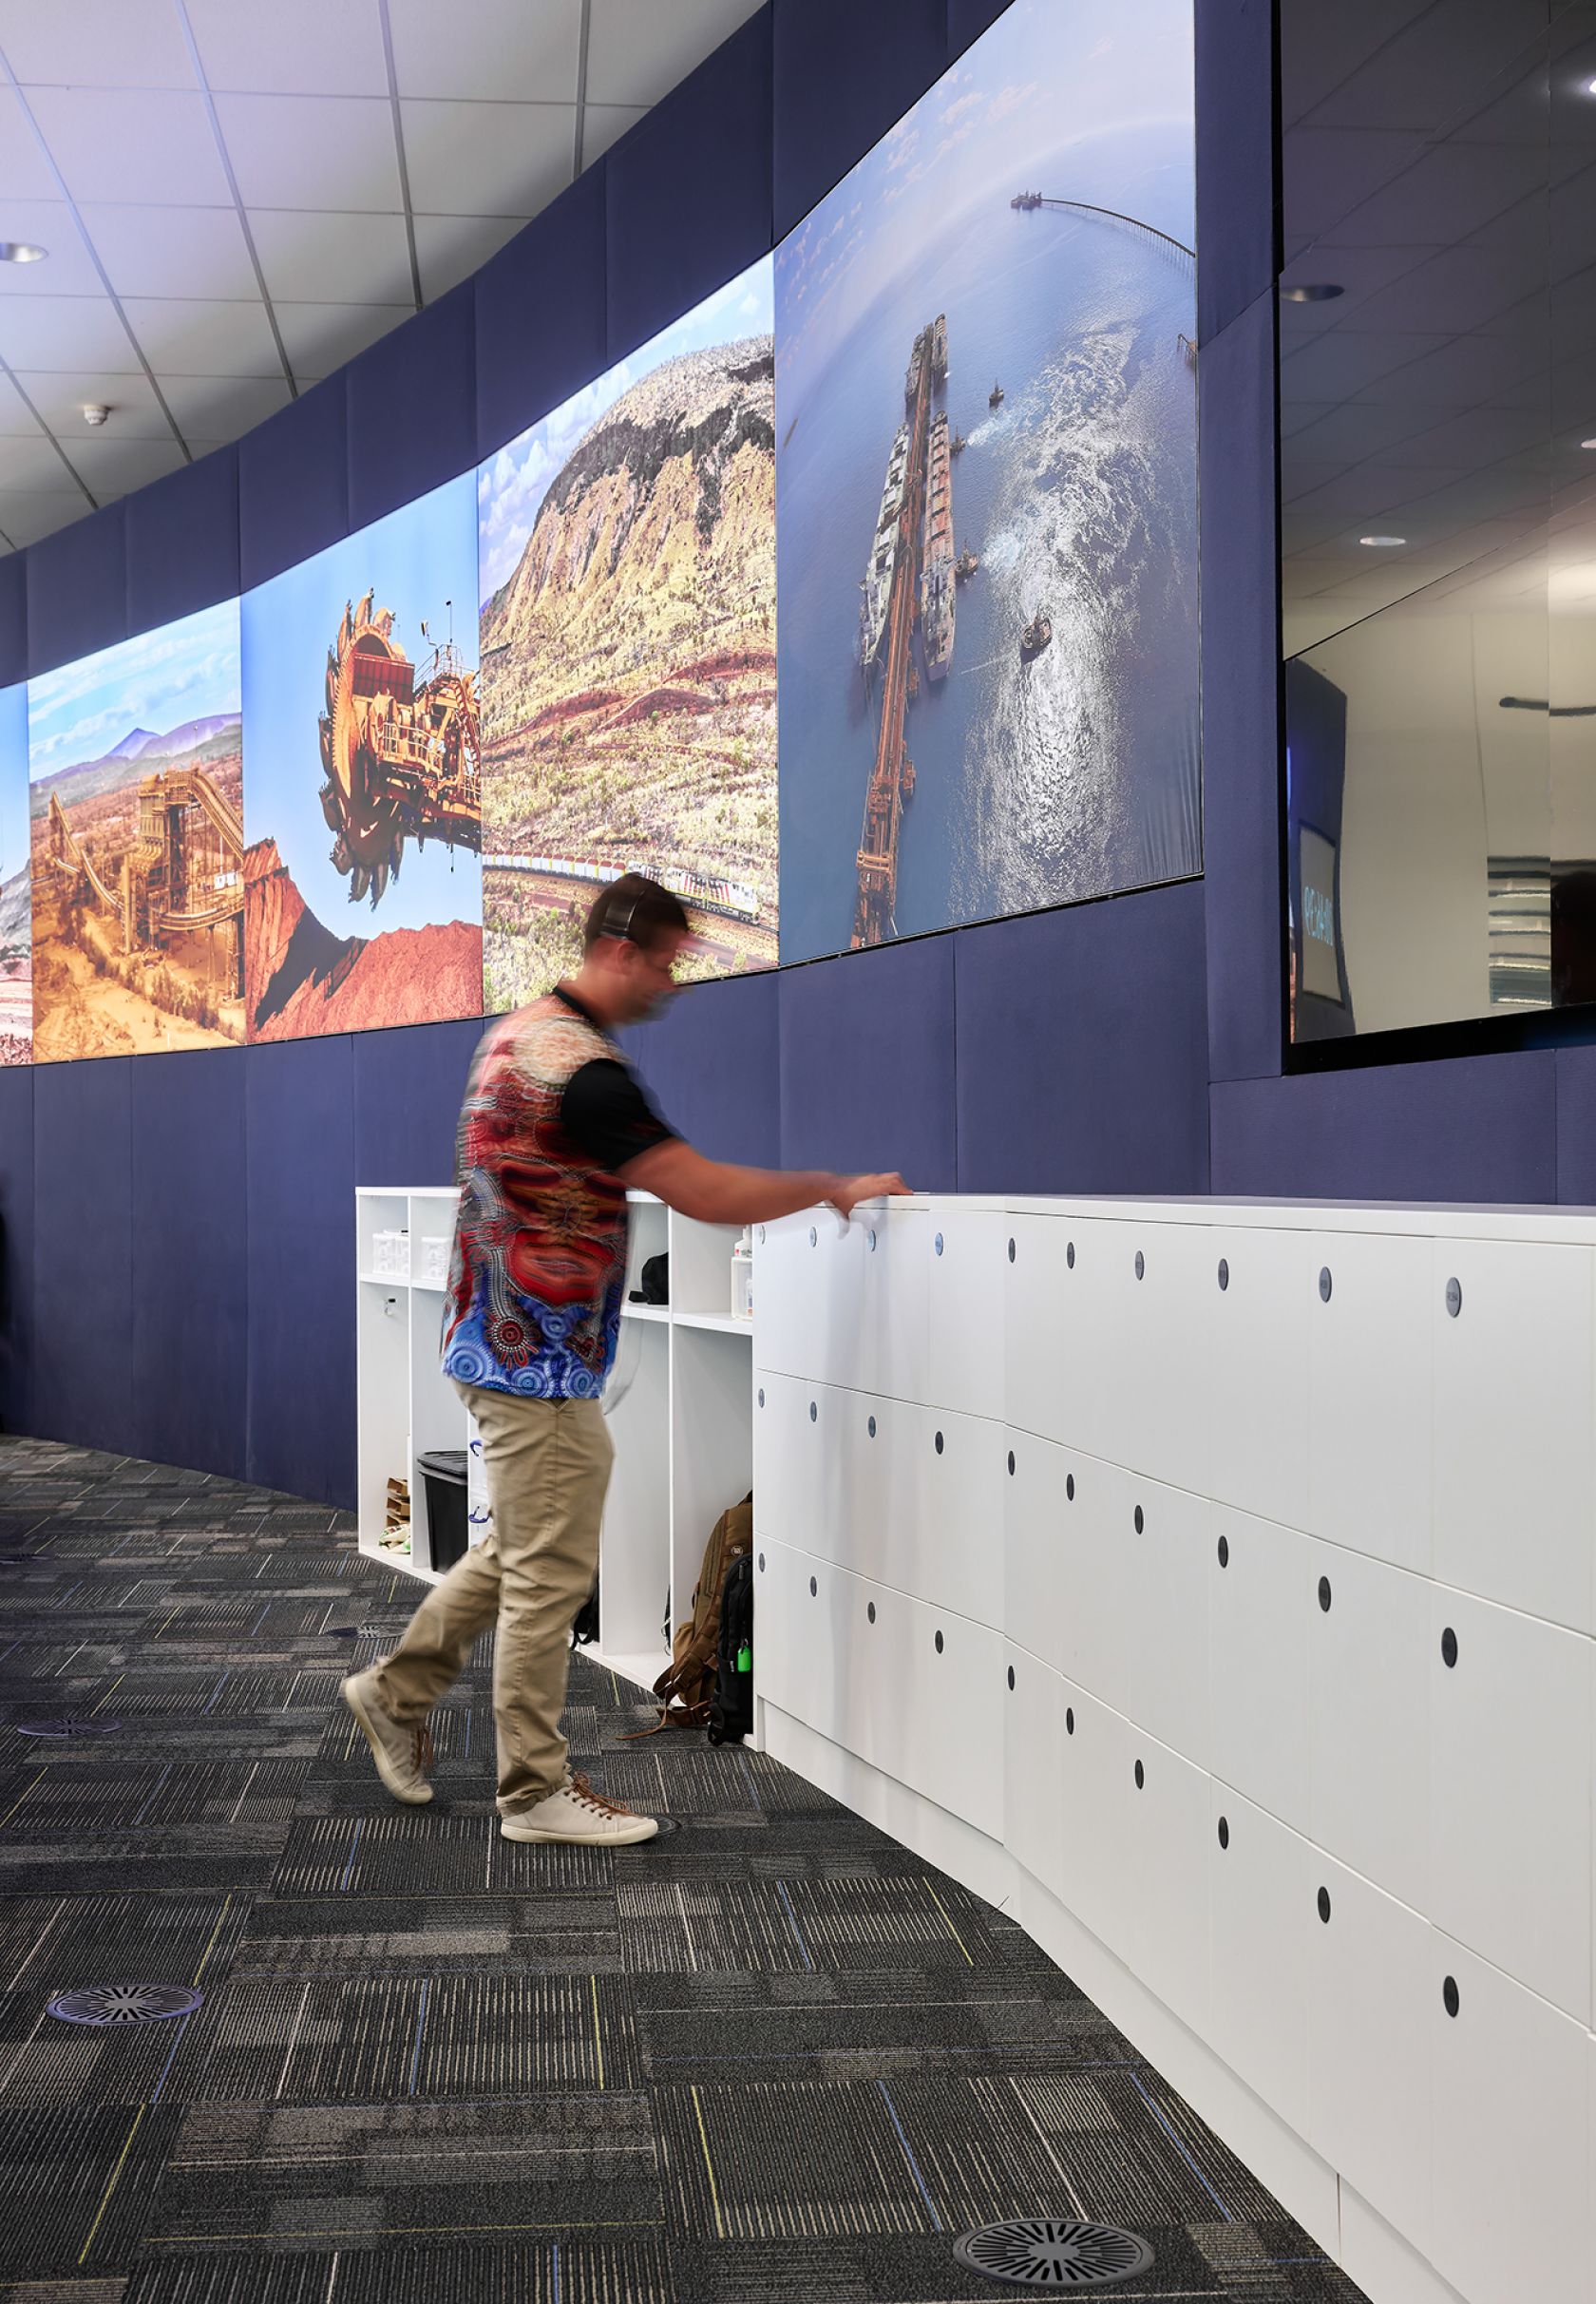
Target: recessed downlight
1379,542
1587,444
1313,291
22,252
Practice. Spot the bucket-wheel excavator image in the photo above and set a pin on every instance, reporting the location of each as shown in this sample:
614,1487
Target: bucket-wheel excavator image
402,760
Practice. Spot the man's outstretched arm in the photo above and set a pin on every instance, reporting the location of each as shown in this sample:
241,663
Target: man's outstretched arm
713,1191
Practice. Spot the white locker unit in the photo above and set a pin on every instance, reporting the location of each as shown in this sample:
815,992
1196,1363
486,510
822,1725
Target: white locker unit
1244,1623
680,1406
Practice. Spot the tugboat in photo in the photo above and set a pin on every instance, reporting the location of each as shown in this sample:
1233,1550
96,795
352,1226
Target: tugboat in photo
957,445
965,566
1034,637
994,398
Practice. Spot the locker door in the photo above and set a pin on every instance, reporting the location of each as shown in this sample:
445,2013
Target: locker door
1261,1885
1260,1624
1370,1396
888,1326
1037,1823
965,1309
1163,1584
1512,1325
1051,1373
1369,1719
1163,1804
1370,1974
1164,1307
1260,1341
1510,1704
1511,2149
1040,1482
943,1520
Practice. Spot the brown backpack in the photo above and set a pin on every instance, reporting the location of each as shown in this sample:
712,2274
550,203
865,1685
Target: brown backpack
688,1683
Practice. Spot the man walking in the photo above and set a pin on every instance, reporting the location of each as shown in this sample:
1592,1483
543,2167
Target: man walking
554,1130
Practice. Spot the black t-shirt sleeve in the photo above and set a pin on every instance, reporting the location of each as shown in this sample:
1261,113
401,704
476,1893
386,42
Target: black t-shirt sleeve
606,1115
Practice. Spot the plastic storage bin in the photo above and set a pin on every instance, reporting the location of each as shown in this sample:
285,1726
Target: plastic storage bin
447,1524
434,1259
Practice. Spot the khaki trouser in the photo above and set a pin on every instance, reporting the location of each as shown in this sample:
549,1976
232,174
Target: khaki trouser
548,1465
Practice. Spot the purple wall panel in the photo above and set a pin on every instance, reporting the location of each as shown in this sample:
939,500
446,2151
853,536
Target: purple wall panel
13,619
82,1254
868,1063
1241,672
712,1065
77,590
408,1084
540,319
688,203
1236,227
967,20
1576,1126
842,74
294,485
412,408
1082,1039
183,541
16,1247
1475,1128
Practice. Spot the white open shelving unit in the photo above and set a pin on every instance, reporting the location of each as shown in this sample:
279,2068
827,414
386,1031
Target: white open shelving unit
681,1404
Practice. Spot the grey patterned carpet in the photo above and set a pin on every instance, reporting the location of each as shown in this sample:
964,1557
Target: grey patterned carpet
770,2056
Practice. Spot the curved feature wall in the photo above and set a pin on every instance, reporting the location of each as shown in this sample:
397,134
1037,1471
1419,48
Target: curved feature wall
1214,1587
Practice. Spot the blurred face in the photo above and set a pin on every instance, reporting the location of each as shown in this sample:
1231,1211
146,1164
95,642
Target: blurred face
648,975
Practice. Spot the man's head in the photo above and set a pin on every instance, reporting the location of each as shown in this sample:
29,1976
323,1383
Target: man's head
635,933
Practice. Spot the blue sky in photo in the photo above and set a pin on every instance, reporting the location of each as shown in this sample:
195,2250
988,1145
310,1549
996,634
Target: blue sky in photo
14,780
414,560
1050,91
512,484
186,670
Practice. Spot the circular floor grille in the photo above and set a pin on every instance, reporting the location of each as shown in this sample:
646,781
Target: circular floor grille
1043,2252
73,1724
125,2003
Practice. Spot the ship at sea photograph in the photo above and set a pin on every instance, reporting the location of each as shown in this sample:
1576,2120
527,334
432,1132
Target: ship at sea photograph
136,839
16,892
628,631
363,872
986,492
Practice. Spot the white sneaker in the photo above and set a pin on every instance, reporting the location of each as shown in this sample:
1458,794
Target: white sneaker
403,1755
576,1812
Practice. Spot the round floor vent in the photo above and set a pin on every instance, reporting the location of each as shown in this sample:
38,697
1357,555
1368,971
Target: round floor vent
125,2003
1045,2251
72,1725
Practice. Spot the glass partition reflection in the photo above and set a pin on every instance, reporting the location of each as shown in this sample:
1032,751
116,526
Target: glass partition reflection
1438,523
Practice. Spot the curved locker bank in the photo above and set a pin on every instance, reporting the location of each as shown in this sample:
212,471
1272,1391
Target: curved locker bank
1214,1586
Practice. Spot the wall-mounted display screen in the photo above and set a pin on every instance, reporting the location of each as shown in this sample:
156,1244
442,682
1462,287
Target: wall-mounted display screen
136,802
986,488
627,570
16,901
363,875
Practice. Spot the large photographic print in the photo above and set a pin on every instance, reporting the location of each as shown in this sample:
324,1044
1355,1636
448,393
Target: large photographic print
16,900
627,568
986,486
363,876
137,845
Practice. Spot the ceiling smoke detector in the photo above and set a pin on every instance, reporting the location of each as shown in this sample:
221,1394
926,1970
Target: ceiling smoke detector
95,411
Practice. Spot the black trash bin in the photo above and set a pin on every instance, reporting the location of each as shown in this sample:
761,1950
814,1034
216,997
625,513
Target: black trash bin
448,1519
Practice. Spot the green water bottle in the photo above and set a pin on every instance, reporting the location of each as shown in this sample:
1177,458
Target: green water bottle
744,1658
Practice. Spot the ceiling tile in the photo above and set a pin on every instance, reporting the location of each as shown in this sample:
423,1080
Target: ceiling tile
211,409
487,158
64,331
17,419
639,50
312,152
522,50
30,464
449,247
296,48
60,396
171,251
1451,191
26,517
1436,65
1350,360
1326,173
132,144
66,271
25,173
1320,46
112,467
185,337
604,125
332,258
321,337
96,43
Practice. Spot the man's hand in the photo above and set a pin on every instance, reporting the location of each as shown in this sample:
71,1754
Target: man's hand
849,1191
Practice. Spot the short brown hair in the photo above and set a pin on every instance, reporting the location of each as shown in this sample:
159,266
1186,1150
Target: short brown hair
638,909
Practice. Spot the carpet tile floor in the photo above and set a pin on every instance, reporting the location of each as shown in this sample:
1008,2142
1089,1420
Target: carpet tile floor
771,2055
